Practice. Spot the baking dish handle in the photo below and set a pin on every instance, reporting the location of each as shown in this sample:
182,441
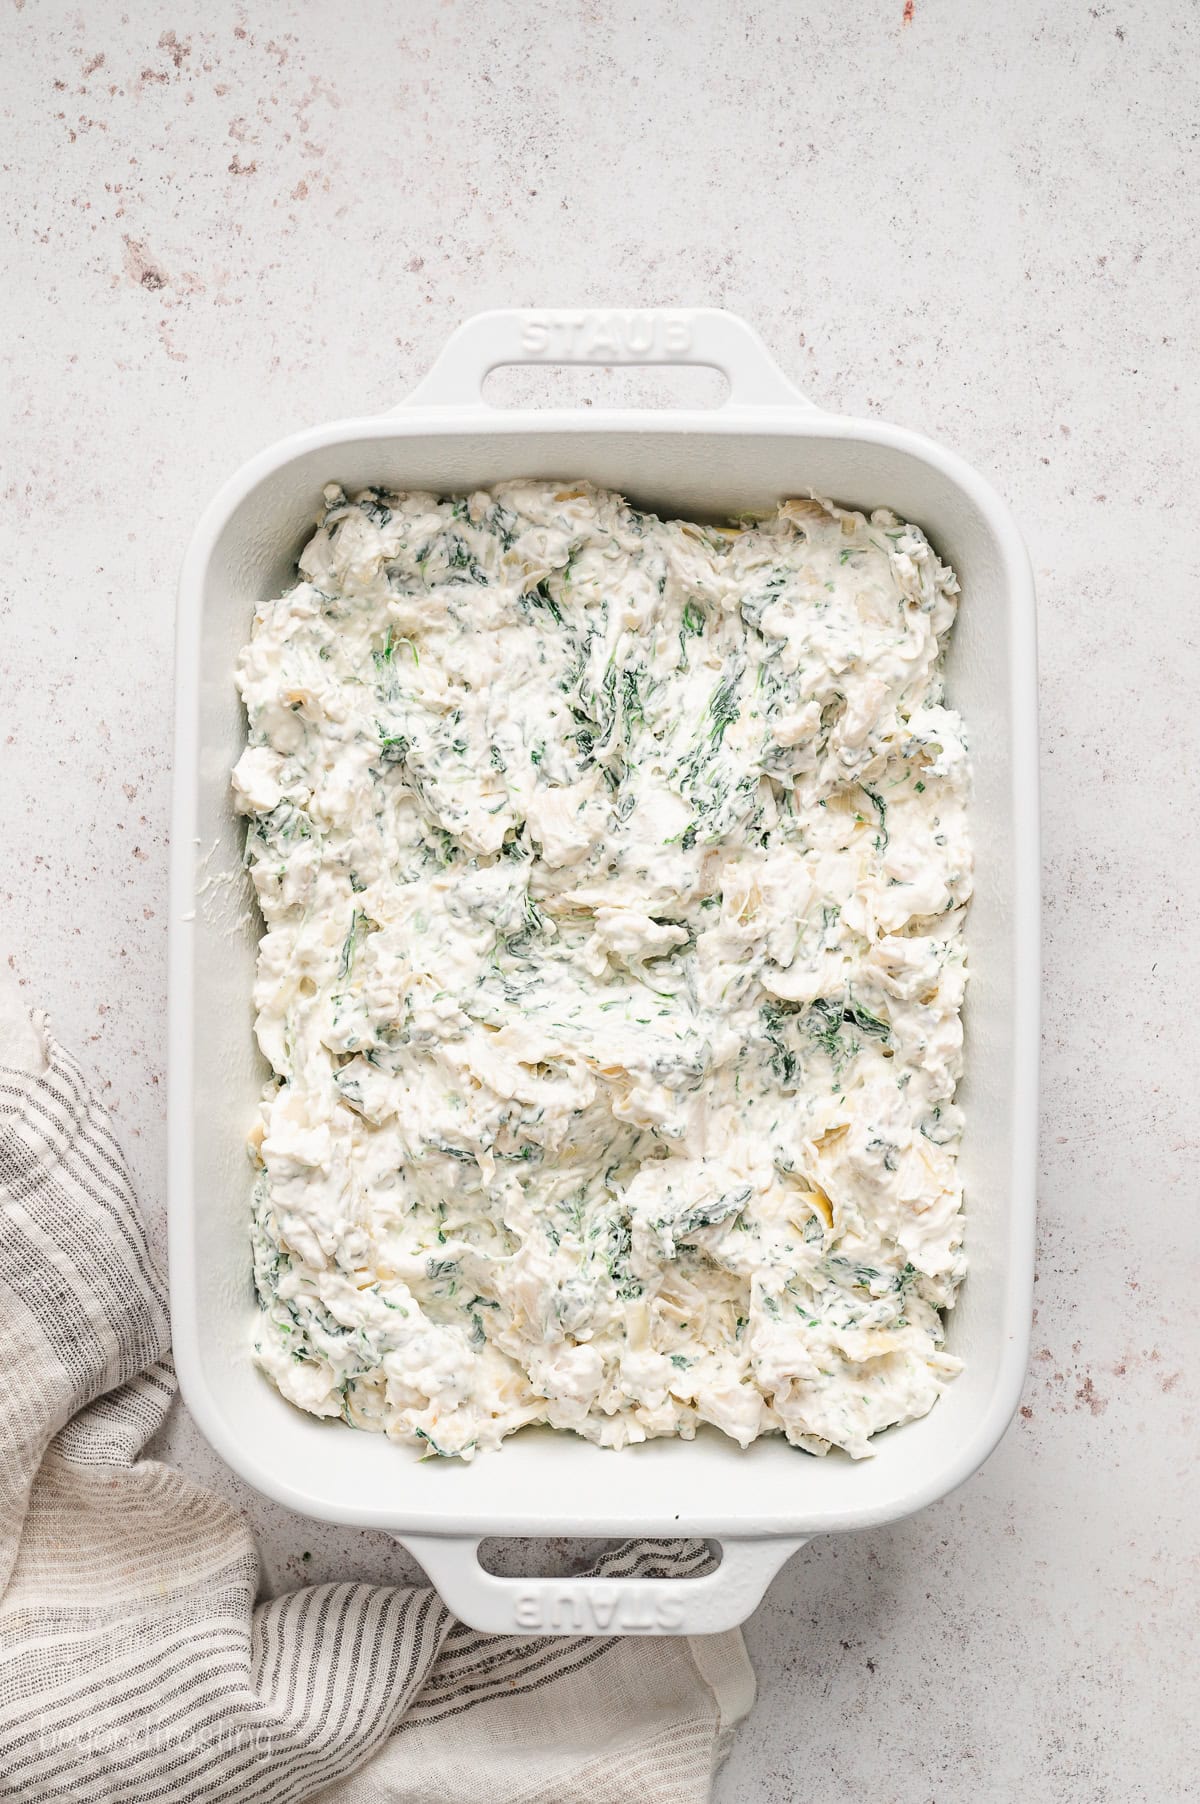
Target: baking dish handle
583,1605
590,335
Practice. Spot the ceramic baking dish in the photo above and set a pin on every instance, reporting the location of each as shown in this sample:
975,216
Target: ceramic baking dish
765,443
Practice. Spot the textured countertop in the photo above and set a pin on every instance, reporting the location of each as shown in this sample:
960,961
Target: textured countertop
229,223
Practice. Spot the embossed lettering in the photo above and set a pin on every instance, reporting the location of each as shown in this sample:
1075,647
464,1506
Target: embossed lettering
568,327
528,1611
603,1609
597,1610
639,334
676,336
669,1613
637,1618
568,1611
635,337
606,338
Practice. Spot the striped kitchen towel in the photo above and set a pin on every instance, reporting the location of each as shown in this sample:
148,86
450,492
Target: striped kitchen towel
135,1663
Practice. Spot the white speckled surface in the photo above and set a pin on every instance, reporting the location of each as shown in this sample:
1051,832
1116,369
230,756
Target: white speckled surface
222,224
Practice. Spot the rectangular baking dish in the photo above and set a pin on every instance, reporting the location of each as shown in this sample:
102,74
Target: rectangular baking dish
765,443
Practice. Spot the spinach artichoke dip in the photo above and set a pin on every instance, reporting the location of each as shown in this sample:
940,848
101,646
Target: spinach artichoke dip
613,872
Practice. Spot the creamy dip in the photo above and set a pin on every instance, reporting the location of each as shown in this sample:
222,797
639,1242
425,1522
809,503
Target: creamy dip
614,872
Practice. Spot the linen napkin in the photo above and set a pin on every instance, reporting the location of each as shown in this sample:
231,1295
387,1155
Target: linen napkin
135,1662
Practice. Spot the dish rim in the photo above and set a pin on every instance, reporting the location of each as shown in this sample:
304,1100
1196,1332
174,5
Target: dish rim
414,421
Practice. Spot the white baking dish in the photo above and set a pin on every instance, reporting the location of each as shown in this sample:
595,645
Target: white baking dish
761,1504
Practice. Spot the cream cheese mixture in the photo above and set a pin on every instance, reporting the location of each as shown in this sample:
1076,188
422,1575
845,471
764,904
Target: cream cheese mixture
614,872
